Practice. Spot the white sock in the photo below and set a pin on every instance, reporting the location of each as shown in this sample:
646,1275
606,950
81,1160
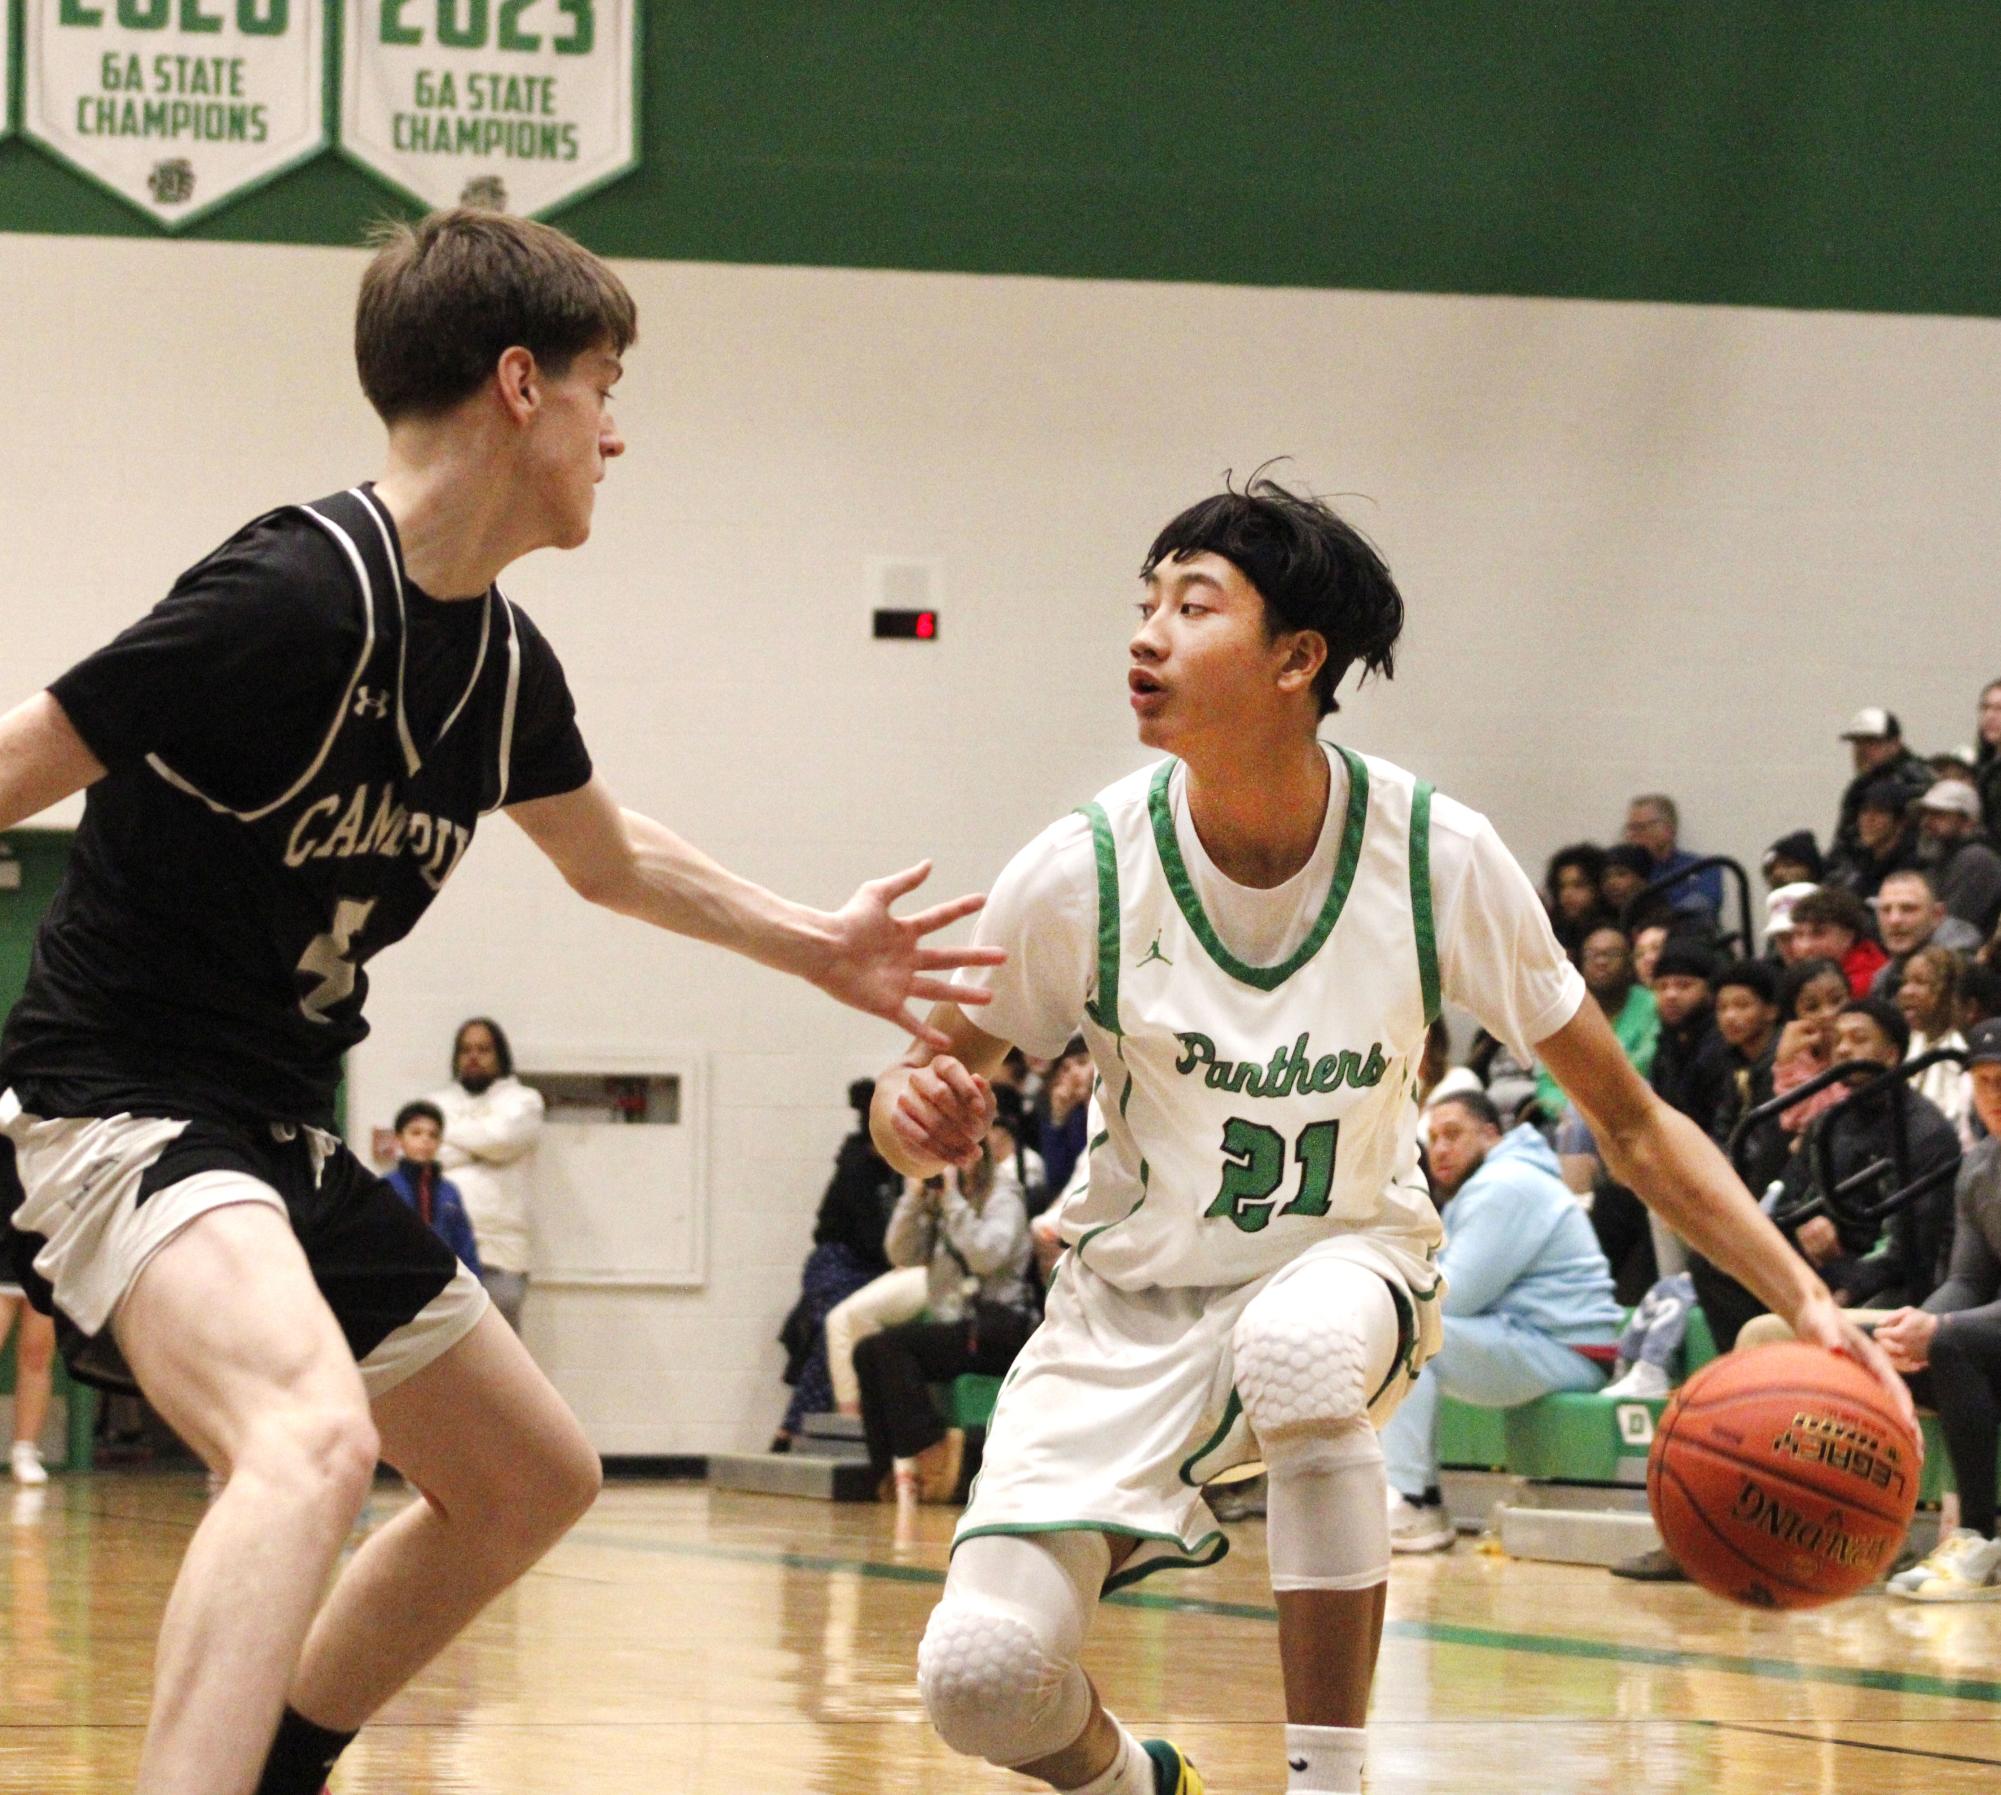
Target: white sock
1327,1759
1131,1772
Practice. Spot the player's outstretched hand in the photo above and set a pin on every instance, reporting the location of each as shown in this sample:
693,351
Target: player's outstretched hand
943,1112
878,962
1823,1323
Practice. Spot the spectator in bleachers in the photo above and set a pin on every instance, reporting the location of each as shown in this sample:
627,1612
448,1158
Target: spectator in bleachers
1060,1118
1653,822
1607,965
1987,755
847,1254
1885,841
1867,1262
1832,923
1794,859
1811,997
1965,869
1909,917
1876,740
1782,940
1691,1062
1747,1019
1928,996
1979,996
1571,890
1952,1346
1647,945
1627,869
420,1127
969,1230
1528,1300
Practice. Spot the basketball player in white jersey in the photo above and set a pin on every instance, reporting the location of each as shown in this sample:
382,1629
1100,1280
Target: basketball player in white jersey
285,761
1252,935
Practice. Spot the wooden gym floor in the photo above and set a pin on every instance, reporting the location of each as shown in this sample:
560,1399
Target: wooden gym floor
683,1643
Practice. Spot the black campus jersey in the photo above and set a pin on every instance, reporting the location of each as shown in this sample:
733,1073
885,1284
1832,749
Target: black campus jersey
299,745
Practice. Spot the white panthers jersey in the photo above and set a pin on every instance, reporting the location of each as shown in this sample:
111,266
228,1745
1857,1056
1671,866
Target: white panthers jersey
1245,1113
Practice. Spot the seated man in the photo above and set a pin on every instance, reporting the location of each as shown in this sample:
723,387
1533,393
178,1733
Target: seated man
1952,1349
1965,869
1910,918
1527,1289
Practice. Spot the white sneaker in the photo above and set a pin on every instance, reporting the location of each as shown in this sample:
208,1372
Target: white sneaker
27,1463
1963,1567
1419,1526
1644,1381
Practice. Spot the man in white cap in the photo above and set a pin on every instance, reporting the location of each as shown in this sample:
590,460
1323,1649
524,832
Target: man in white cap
1964,867
1876,740
1779,935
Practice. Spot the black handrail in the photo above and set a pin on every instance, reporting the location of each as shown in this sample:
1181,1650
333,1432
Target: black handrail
1830,1196
1680,876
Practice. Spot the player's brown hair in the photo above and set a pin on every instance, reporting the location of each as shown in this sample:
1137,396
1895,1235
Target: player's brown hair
445,297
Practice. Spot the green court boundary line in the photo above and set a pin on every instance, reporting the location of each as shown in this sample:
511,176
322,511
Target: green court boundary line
1547,1645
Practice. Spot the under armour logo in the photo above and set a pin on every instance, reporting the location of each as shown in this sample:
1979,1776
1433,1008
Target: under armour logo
371,704
1153,953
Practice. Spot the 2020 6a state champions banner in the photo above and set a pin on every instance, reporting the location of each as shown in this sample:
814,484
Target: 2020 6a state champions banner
176,105
518,104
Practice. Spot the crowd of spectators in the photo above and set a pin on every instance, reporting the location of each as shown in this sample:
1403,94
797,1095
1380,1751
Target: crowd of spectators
1878,951
912,1283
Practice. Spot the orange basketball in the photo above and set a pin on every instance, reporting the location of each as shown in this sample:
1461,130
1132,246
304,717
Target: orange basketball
1782,1478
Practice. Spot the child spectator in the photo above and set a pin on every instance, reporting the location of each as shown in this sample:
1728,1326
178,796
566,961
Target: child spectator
420,1130
1747,1019
1929,999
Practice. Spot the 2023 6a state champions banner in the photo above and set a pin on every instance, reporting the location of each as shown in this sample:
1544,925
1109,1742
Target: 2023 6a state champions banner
176,105
518,104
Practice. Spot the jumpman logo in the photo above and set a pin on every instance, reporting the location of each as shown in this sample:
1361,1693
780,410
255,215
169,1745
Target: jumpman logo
371,704
1153,953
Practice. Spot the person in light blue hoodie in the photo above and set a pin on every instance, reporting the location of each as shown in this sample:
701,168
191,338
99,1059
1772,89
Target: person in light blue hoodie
1528,1299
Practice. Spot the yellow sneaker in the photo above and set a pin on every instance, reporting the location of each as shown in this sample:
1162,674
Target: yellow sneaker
1172,1772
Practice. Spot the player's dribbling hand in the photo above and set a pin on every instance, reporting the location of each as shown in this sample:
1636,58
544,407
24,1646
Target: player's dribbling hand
943,1112
1822,1323
877,962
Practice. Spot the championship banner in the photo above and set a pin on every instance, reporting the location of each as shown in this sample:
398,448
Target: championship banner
6,68
521,105
176,105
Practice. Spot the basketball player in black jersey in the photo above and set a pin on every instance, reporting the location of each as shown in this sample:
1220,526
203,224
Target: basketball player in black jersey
285,761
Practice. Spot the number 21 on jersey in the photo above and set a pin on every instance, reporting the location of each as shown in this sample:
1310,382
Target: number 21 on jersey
1254,1164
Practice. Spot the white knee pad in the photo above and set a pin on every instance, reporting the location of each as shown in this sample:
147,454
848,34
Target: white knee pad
997,1667
1312,1351
1327,1504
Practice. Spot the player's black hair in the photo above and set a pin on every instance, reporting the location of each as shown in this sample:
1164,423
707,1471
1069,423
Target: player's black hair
422,1109
1313,569
1479,1106
502,1052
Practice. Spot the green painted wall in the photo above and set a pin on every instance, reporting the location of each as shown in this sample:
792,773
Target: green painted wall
1813,153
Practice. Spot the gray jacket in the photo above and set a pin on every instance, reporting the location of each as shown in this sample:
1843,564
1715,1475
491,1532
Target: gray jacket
970,1252
1973,1276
